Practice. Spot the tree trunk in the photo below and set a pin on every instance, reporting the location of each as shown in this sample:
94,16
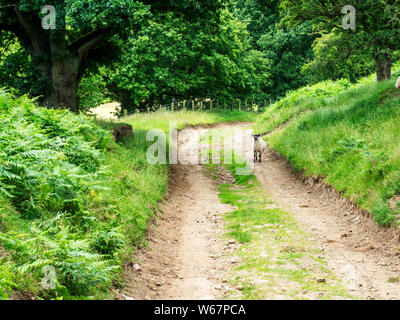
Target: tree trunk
127,103
65,75
151,101
64,84
56,62
384,66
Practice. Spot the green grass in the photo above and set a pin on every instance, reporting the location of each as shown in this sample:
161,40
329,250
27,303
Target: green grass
352,140
296,102
276,258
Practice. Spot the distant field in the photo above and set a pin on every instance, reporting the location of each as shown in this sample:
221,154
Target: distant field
161,119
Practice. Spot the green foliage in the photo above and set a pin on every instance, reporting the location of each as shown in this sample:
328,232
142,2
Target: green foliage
47,158
78,270
260,18
335,59
376,32
108,241
288,50
15,67
50,164
60,205
8,279
308,98
92,92
171,57
82,39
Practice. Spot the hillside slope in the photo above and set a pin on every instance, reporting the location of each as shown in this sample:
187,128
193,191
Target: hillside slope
351,137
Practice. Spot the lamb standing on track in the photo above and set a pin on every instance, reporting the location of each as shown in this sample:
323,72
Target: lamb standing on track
259,147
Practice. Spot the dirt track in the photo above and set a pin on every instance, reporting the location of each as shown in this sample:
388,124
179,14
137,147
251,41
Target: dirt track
187,258
365,256
184,260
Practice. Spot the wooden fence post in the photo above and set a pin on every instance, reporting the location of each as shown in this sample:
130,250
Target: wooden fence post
125,113
211,102
233,104
172,106
240,107
201,105
192,104
184,105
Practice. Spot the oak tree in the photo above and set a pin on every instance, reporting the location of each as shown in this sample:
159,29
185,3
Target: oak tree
60,56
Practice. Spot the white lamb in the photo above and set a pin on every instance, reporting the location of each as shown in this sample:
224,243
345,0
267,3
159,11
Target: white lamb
398,83
259,147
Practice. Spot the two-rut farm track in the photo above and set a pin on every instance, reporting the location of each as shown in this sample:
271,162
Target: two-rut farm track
187,257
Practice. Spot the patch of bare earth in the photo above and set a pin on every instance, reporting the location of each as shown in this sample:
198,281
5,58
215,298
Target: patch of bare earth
186,254
364,255
106,111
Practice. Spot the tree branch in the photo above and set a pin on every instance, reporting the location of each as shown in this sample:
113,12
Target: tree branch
8,6
90,40
33,28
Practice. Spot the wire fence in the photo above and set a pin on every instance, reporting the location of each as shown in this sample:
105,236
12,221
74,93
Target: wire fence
210,105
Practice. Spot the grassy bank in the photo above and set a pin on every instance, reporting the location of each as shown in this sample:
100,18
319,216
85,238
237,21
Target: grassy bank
307,99
73,200
350,138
